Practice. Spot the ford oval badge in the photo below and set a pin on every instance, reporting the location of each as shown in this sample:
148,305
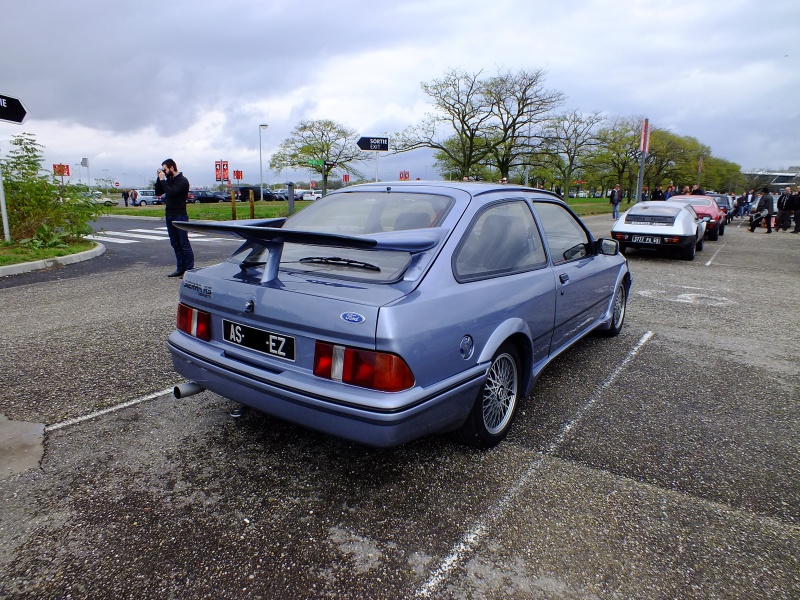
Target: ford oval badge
352,317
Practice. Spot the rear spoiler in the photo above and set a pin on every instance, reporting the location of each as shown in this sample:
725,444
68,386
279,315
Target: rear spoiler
267,233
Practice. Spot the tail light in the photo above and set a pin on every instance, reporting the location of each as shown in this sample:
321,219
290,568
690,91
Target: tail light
364,368
195,322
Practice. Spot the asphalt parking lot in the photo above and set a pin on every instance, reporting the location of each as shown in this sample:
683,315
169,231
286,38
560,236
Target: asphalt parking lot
659,464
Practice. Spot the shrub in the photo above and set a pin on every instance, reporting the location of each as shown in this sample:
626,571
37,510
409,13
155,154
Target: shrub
41,211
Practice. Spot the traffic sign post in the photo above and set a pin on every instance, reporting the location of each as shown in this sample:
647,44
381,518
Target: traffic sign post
13,111
374,144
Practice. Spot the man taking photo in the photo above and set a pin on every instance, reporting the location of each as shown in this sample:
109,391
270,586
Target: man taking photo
175,188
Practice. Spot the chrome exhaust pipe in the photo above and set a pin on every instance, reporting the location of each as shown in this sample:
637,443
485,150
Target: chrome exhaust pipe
184,390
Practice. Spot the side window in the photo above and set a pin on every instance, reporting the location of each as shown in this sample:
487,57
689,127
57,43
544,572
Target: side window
502,240
566,239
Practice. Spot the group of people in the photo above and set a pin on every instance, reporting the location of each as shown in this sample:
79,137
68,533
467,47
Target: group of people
131,196
766,208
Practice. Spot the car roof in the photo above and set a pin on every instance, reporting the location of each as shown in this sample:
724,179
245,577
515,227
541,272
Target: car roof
475,188
657,207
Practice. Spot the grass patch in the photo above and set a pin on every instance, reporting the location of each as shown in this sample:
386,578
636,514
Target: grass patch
12,254
218,211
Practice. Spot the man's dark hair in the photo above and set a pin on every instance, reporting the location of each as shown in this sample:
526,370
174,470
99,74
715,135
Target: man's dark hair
170,164
765,190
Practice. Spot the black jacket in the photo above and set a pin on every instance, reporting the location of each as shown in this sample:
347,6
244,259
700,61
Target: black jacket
794,202
177,190
657,195
784,202
766,201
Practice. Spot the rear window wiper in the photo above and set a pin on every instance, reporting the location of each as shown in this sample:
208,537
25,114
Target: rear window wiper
338,260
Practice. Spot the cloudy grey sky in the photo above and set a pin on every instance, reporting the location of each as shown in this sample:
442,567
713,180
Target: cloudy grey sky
129,84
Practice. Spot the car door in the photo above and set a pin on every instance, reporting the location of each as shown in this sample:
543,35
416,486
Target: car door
502,266
584,279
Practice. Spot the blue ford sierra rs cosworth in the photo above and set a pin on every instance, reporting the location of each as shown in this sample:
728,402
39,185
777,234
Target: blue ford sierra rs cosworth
385,312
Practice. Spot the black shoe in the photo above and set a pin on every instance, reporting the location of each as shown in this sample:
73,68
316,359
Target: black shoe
176,273
798,231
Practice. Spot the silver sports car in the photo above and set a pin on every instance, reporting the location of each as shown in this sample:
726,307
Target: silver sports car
670,225
385,312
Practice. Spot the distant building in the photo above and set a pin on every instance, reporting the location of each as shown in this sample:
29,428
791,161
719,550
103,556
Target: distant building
777,180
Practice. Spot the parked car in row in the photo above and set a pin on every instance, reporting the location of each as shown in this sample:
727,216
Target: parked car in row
385,313
661,225
246,191
312,195
706,206
202,196
724,203
143,197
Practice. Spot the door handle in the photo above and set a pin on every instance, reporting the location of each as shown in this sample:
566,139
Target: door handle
563,278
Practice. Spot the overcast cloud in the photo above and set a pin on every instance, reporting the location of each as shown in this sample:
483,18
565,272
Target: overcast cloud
128,85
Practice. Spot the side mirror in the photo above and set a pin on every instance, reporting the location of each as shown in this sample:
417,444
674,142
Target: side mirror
608,247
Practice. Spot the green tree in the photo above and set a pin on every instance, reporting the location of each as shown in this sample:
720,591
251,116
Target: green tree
320,146
41,211
618,153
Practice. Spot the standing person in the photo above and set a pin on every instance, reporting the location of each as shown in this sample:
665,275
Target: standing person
615,199
764,204
796,209
175,188
658,194
697,190
783,219
686,191
645,192
134,197
125,196
670,192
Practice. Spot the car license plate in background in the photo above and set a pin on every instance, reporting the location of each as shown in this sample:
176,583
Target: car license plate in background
646,239
260,340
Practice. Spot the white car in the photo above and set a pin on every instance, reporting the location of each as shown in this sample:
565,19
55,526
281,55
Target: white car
312,195
654,225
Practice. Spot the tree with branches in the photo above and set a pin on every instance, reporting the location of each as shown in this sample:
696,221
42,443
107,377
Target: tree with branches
320,146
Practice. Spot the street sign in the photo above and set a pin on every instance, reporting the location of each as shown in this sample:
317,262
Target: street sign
238,174
62,170
12,110
316,162
375,144
116,184
330,164
221,170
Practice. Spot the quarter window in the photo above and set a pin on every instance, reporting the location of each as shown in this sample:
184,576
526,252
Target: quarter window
566,238
502,240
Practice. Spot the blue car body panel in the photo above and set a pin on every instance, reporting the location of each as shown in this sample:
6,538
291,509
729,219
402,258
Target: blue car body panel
423,316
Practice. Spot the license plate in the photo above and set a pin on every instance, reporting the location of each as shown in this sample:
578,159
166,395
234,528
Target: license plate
646,239
260,340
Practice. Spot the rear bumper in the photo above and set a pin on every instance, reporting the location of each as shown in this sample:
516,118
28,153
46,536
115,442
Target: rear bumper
440,410
676,242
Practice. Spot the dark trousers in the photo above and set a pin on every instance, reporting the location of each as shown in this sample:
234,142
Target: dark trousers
756,222
783,220
179,240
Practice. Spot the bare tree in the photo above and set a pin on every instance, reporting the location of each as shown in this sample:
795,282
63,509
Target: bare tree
520,105
571,140
461,107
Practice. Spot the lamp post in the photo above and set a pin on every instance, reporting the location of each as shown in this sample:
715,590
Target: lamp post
260,164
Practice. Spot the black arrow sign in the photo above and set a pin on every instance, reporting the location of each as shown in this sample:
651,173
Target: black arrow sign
12,110
376,144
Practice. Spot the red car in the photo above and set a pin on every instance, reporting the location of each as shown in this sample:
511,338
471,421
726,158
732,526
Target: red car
706,206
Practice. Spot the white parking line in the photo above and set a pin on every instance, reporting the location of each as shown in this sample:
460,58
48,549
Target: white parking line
713,256
102,238
475,535
110,409
138,236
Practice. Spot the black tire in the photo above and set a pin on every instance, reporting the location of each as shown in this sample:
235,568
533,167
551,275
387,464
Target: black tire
688,252
620,308
714,235
722,230
623,248
496,403
699,245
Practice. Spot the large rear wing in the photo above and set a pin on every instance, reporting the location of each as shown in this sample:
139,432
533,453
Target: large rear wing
267,233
